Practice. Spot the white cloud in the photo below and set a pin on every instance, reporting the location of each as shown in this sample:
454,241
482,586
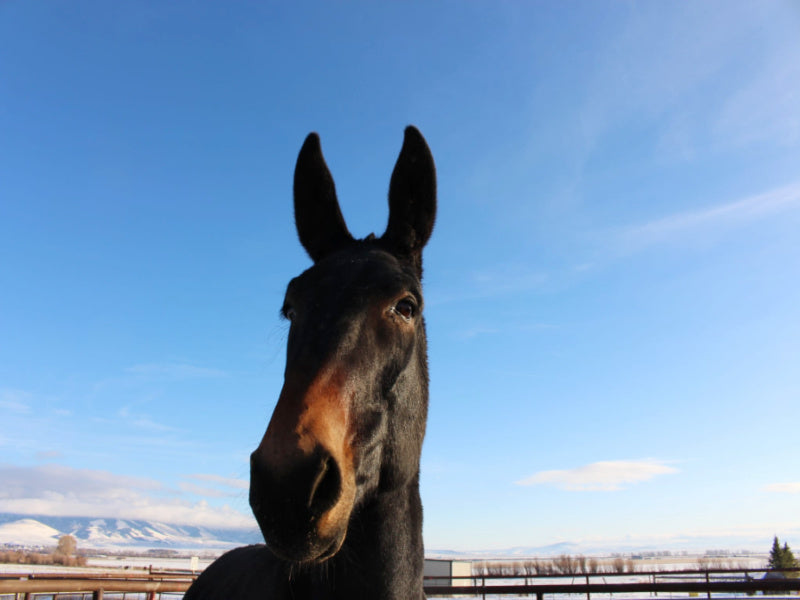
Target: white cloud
641,76
47,479
15,401
765,108
753,535
508,279
601,476
63,491
225,486
150,425
174,371
239,484
503,279
734,213
473,332
48,455
784,488
205,492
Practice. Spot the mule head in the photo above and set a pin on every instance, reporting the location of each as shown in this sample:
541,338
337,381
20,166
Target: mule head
350,418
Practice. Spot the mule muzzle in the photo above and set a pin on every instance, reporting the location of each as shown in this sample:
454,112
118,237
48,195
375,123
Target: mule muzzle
302,506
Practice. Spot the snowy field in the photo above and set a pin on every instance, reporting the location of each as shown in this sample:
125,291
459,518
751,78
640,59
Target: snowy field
104,564
141,564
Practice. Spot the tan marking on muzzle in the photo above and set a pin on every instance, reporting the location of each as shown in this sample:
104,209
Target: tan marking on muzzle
309,417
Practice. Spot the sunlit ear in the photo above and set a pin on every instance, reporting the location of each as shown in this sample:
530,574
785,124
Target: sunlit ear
317,215
412,200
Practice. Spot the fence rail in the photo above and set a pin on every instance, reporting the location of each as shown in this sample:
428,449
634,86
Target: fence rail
154,584
685,583
785,586
95,585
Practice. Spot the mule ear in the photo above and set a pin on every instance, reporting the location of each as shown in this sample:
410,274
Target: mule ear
412,200
317,215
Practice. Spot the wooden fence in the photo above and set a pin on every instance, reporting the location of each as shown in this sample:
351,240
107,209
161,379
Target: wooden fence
685,584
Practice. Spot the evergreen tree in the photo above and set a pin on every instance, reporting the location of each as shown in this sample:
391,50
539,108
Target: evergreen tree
789,561
775,554
781,558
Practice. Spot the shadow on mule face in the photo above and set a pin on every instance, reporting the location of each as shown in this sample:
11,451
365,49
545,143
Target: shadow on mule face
339,434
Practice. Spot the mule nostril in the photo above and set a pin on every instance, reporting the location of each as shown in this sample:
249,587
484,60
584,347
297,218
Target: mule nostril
325,488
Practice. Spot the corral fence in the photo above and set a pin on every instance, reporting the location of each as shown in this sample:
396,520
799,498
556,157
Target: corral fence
711,585
112,585
716,584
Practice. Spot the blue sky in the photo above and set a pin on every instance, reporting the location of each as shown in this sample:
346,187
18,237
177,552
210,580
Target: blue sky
612,287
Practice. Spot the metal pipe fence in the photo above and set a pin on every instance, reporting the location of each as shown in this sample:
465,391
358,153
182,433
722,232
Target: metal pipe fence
713,584
95,586
642,584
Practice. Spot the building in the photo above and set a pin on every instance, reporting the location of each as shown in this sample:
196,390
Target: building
442,570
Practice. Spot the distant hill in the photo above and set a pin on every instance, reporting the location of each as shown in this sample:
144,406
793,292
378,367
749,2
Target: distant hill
120,534
33,531
39,530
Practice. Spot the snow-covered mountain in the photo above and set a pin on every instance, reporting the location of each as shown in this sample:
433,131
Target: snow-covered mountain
27,530
118,534
31,531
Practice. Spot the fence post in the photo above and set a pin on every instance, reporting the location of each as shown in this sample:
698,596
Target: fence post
97,595
708,581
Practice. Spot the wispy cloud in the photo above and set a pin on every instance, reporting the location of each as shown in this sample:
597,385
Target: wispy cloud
142,421
33,482
603,476
746,117
150,425
206,492
63,491
736,213
174,371
15,401
48,455
473,332
784,488
705,88
508,279
639,78
732,535
497,280
240,484
224,486
478,330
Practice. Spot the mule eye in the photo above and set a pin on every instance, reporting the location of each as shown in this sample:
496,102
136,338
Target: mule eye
406,308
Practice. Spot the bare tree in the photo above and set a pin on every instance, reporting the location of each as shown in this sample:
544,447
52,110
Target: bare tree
581,564
66,545
566,564
618,565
